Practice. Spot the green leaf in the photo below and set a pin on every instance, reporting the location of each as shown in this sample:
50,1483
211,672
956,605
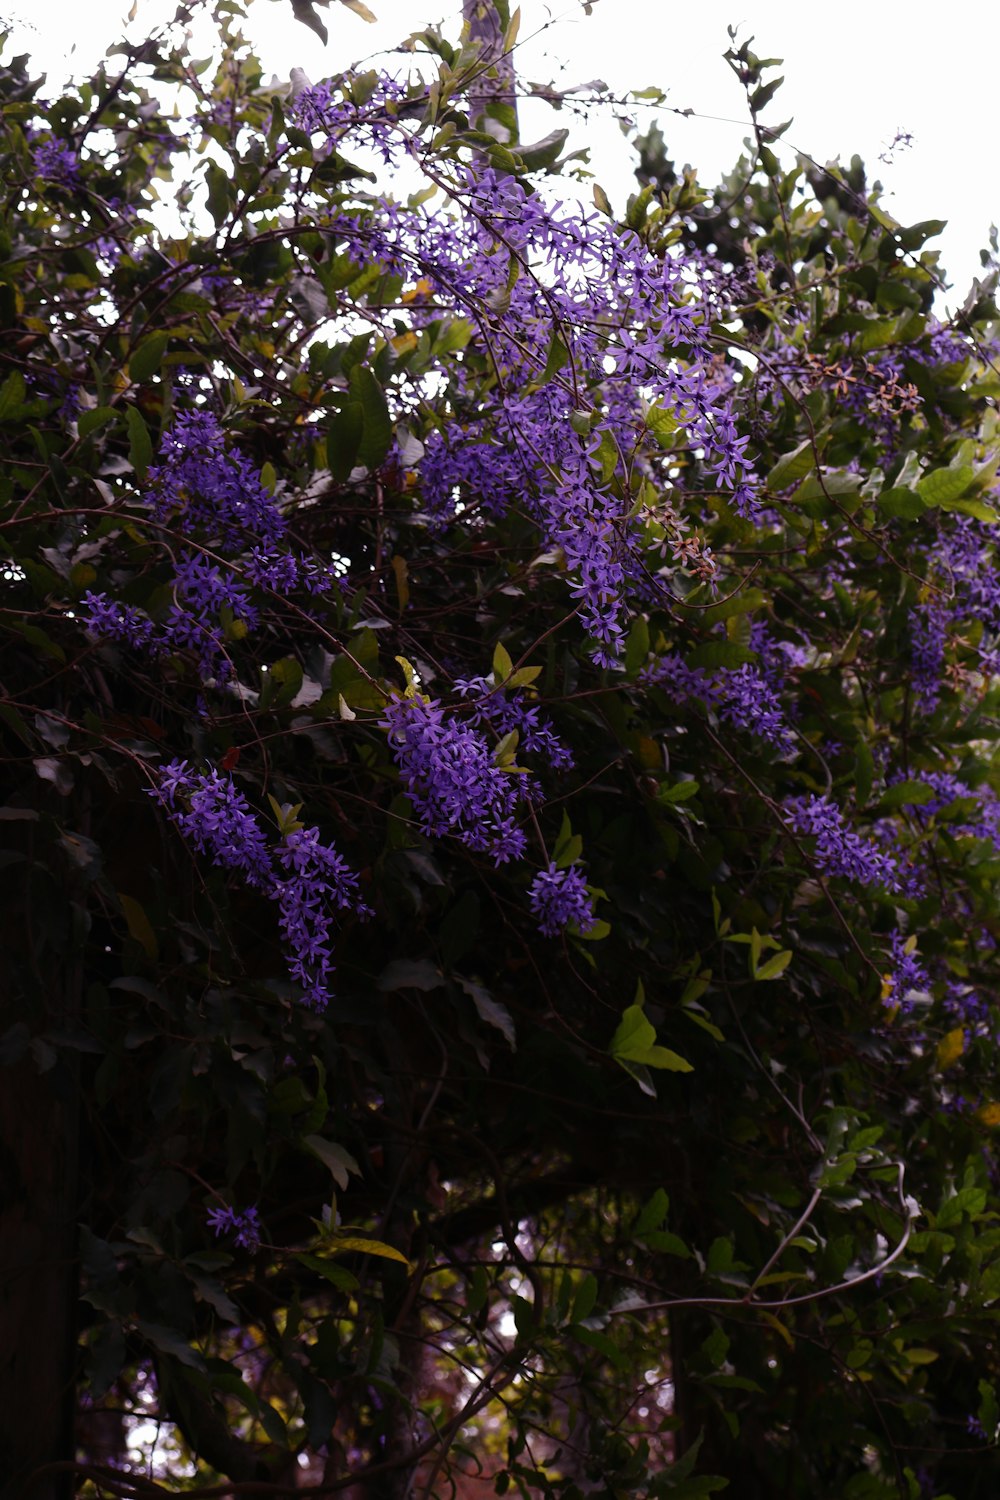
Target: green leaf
715,654
139,926
594,1339
905,794
491,1011
902,503
543,154
220,188
12,394
339,1276
635,1041
284,678
681,791
409,974
169,1341
634,1036
989,1410
140,446
792,467
343,440
652,1214
941,486
503,667
376,431
146,359
337,1158
98,416
775,965
348,1244
585,1300
716,1347
662,1057
665,1243
978,509
741,603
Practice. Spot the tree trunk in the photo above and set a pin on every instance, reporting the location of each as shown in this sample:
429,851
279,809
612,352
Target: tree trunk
38,1277
493,93
39,1173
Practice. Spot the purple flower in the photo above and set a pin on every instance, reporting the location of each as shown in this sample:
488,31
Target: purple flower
307,879
55,162
928,637
560,899
203,488
451,778
317,880
907,980
217,820
742,696
509,711
117,622
839,850
244,1223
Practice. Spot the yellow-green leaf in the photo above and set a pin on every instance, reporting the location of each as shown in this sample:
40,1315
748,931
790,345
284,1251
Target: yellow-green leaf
950,1047
139,926
774,966
346,1243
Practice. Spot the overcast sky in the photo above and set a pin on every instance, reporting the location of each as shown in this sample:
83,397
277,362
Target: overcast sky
855,74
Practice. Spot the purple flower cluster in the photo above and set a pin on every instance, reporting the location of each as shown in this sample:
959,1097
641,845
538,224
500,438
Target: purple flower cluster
741,696
839,849
907,979
215,817
332,109
306,878
202,488
113,621
505,712
948,790
962,1002
54,161
928,637
316,878
625,332
453,781
964,560
244,1223
559,900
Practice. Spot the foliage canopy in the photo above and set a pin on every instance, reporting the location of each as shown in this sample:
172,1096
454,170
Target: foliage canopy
500,805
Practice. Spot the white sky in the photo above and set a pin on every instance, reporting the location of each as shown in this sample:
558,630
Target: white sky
854,74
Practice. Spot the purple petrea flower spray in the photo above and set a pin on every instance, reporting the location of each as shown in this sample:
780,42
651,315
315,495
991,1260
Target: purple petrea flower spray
54,161
839,850
243,1223
453,781
202,487
508,711
907,979
742,696
308,879
315,880
559,900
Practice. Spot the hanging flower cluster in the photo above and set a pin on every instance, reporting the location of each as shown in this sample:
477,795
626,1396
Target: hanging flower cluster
307,879
204,491
452,779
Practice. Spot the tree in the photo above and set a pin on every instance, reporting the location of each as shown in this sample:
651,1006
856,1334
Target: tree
502,818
